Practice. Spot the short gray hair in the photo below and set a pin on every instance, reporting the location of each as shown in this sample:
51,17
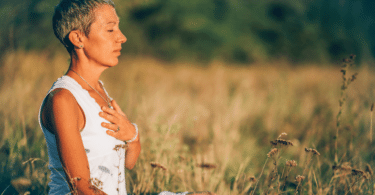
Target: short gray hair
75,15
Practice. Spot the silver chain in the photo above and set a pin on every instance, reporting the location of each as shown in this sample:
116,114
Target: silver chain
106,100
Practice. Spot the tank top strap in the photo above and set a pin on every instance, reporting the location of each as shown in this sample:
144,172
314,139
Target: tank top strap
82,96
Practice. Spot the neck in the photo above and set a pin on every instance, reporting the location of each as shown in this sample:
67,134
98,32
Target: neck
90,72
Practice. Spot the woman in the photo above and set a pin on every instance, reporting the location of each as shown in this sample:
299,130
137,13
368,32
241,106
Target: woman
85,129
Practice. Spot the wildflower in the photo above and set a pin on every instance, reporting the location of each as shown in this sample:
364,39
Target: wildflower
291,163
300,178
95,184
120,146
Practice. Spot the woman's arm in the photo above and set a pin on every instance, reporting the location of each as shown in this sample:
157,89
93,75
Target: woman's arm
64,111
127,131
132,153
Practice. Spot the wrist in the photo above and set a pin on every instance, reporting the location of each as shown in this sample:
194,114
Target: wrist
135,137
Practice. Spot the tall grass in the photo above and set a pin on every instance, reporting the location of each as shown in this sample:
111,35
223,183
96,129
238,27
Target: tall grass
206,128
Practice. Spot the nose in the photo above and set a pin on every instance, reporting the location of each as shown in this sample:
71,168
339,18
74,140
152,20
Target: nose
122,38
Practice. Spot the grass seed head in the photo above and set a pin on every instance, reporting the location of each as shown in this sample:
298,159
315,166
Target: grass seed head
206,166
282,134
358,172
372,107
368,168
281,142
314,151
354,77
158,165
252,179
272,152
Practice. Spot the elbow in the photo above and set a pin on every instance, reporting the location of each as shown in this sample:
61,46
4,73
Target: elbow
130,167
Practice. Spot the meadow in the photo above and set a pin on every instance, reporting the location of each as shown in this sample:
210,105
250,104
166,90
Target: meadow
266,128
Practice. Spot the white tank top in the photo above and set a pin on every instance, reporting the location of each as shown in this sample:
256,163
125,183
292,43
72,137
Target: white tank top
106,161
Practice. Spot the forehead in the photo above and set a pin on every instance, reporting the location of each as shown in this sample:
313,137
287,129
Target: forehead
105,14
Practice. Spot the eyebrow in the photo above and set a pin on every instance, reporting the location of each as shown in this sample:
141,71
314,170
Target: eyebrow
114,22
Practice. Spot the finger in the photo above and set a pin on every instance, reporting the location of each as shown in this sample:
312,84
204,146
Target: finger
117,107
110,126
111,133
109,117
110,111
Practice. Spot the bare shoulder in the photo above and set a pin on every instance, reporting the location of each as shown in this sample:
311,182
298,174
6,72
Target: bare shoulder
60,106
62,96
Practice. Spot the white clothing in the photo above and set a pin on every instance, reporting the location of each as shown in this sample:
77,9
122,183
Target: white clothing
106,164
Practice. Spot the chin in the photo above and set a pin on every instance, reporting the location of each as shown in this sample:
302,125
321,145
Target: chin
113,63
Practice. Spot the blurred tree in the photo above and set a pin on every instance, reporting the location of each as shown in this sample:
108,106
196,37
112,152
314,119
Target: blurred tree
240,31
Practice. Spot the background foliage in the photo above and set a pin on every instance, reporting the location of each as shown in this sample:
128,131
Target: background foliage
240,31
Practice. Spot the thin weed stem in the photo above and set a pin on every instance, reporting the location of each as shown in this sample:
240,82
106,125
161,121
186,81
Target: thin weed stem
252,193
346,81
371,113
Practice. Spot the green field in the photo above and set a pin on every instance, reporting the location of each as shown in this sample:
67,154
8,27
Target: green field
208,128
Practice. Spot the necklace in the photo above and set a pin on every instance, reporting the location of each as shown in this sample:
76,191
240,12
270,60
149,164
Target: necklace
106,100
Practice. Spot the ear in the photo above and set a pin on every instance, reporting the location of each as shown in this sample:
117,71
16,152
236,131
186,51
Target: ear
76,38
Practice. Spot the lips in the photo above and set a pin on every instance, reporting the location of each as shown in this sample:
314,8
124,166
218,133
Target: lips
117,51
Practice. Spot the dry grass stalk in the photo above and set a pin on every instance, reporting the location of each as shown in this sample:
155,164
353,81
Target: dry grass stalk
289,164
369,170
73,185
309,157
21,185
299,179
